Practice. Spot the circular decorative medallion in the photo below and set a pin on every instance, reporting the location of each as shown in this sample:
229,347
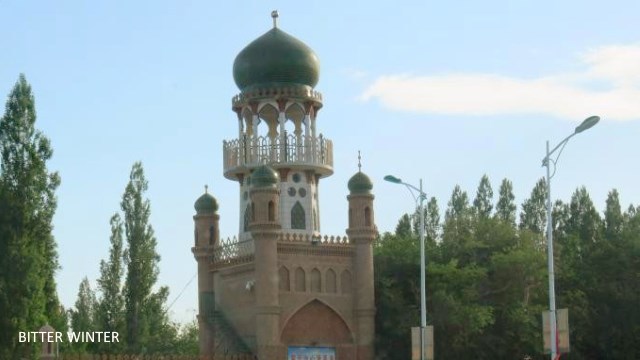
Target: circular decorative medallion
291,191
302,192
296,178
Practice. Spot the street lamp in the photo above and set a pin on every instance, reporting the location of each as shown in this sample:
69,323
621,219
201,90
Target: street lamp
423,304
586,124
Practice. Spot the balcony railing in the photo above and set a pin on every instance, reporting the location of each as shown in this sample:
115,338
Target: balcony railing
290,149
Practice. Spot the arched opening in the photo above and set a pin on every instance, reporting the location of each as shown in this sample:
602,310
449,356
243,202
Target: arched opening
316,281
247,217
283,278
247,116
269,114
272,212
328,326
212,234
298,218
345,282
367,216
253,212
295,114
330,282
301,282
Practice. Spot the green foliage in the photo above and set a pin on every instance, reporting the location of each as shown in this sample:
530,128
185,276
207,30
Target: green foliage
506,207
83,316
533,216
483,203
141,260
110,307
28,256
487,279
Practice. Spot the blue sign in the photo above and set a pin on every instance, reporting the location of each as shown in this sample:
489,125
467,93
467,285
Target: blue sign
311,353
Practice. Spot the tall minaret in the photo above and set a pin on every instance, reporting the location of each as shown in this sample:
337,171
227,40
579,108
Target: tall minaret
276,113
362,231
207,235
265,228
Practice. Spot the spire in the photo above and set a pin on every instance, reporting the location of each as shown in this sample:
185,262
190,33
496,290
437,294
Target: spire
359,162
274,15
206,189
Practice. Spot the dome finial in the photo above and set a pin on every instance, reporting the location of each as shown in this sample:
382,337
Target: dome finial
274,15
206,189
359,163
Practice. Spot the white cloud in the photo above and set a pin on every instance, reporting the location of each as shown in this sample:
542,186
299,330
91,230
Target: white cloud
561,95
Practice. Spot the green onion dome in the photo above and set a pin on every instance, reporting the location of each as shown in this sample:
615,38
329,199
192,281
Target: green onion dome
276,59
264,176
360,184
206,204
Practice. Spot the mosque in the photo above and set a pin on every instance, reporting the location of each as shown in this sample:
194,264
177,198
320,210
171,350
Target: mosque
281,289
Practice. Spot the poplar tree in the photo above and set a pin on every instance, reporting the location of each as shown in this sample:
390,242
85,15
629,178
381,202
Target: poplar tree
82,317
28,256
110,307
506,207
483,202
141,260
534,210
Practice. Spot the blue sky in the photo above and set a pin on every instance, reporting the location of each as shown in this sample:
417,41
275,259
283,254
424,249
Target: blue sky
443,91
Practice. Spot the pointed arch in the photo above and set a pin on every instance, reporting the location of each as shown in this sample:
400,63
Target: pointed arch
367,216
330,281
247,217
300,279
345,282
316,281
295,113
212,234
329,327
298,217
247,117
269,114
271,211
283,279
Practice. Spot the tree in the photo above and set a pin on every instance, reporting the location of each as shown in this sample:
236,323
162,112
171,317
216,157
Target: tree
613,218
110,308
483,203
404,226
82,317
28,256
431,221
458,206
506,207
534,211
140,258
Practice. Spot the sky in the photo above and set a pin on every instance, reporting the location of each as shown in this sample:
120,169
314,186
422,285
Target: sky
440,91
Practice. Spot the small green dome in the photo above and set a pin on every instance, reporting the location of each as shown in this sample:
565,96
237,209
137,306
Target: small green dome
360,184
276,58
206,204
264,176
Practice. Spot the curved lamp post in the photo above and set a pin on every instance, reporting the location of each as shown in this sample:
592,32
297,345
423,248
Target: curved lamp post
547,161
423,305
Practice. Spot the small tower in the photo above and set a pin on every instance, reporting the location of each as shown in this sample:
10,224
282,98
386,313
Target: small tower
49,349
206,237
362,231
265,228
